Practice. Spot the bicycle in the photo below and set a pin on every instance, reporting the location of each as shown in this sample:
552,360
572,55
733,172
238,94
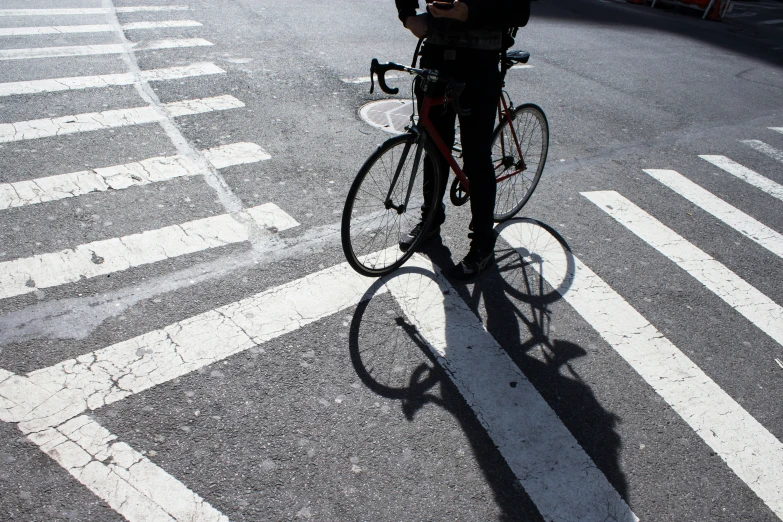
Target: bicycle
384,198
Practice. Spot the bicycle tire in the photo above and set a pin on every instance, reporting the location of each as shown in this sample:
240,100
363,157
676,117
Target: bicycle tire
514,188
371,232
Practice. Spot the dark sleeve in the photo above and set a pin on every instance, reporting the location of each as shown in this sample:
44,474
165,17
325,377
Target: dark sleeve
406,8
482,13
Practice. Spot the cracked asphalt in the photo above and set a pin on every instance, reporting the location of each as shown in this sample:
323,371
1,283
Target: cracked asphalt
200,355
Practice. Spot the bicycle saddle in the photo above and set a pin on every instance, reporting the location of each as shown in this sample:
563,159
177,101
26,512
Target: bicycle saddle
517,56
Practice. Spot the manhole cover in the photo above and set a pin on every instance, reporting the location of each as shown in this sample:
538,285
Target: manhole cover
388,115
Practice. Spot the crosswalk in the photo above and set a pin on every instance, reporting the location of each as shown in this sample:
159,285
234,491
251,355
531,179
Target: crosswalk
52,406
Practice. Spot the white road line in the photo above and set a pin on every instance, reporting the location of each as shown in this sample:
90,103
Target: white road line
560,478
777,129
103,28
51,396
752,452
94,121
735,218
24,275
93,50
125,479
152,170
757,308
59,395
91,10
762,147
754,178
771,22
106,80
366,79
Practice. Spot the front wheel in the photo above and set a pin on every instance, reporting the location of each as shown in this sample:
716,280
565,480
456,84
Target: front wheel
385,202
518,156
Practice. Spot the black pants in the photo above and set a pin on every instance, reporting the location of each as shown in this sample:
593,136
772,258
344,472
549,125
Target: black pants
479,70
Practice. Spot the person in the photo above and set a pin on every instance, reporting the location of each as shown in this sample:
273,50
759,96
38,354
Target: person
462,43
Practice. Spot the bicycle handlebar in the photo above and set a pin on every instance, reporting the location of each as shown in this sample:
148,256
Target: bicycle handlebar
454,89
380,70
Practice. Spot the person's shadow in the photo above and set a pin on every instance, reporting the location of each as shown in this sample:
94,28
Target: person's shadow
516,309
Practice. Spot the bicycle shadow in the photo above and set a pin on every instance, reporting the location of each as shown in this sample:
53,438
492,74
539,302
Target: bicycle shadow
517,306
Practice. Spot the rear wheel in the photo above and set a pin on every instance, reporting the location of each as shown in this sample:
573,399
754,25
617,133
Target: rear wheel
384,203
518,158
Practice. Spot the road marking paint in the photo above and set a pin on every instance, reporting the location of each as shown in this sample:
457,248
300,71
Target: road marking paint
735,218
106,80
94,121
754,178
777,129
366,79
93,50
125,479
102,28
51,396
152,170
24,275
756,307
560,478
91,10
230,201
752,452
762,147
771,22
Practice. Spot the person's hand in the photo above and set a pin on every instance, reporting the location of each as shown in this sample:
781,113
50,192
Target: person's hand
417,25
459,12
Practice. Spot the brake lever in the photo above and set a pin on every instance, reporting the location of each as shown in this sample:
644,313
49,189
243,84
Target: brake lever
373,72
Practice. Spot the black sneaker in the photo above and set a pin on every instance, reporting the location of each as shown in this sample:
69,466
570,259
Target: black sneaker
407,240
476,262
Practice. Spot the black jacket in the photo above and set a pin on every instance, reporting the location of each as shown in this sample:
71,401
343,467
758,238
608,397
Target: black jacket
480,31
481,13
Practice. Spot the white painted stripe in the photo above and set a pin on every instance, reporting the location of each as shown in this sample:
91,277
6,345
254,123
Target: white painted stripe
51,396
106,80
777,129
757,308
93,50
366,79
152,170
91,10
104,28
751,451
94,121
735,218
236,154
754,178
771,22
24,275
762,147
552,467
125,479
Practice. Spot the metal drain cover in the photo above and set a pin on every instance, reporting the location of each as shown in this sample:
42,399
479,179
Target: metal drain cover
391,116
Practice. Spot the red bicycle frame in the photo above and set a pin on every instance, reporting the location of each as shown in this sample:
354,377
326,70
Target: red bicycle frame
503,112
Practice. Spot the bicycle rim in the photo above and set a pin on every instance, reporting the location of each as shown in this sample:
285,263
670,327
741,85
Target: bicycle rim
518,162
371,232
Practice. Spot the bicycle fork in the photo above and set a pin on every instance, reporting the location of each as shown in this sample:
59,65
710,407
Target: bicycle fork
389,204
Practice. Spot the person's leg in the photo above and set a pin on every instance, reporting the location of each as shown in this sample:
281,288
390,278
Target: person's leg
443,118
480,97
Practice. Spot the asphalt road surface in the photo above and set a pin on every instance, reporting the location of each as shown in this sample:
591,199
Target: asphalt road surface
181,338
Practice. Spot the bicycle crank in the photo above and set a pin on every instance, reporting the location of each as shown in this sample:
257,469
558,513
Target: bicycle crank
458,194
